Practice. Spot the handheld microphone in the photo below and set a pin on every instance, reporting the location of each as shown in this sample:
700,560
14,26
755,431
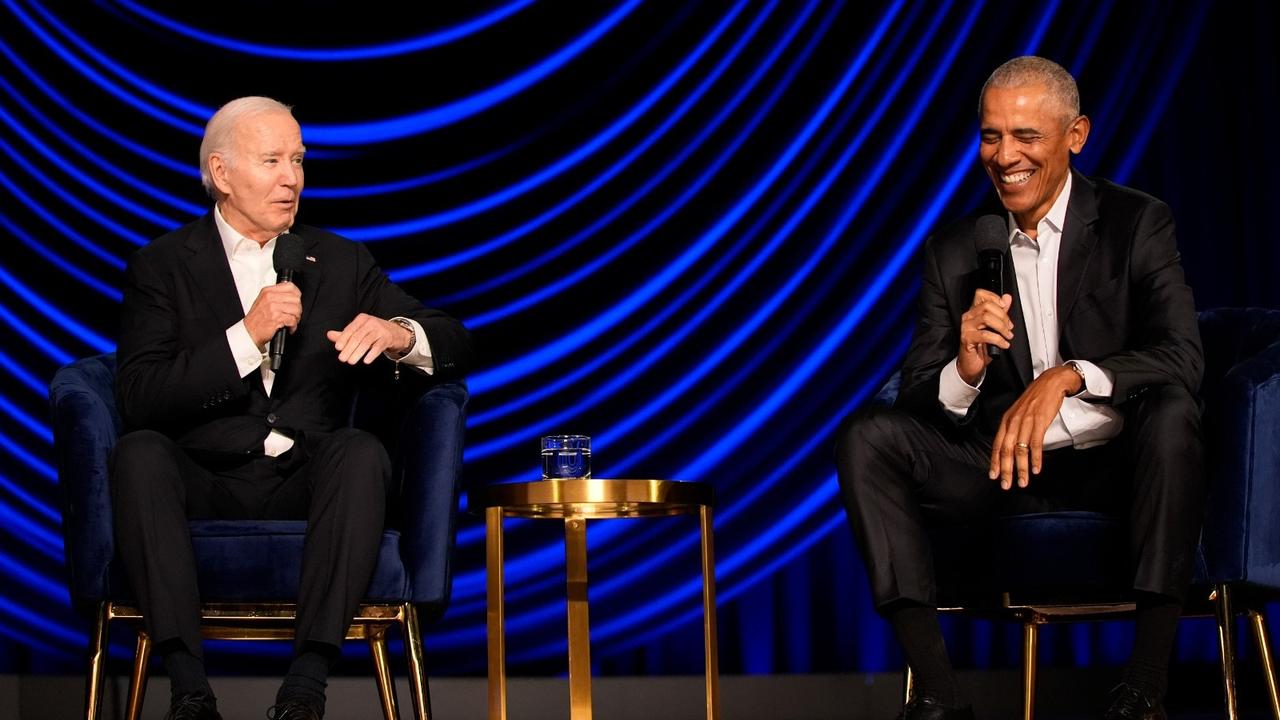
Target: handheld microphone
288,259
991,242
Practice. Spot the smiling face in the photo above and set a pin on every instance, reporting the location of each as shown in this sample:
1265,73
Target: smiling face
1027,143
260,178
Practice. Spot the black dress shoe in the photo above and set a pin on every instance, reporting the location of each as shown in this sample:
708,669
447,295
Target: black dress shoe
295,710
1130,703
927,708
193,706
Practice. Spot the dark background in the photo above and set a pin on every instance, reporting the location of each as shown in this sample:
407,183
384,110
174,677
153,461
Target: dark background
690,230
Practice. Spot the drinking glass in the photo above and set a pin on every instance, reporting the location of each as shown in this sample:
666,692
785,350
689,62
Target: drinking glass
566,456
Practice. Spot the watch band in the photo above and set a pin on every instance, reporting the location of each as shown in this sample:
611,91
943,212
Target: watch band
413,334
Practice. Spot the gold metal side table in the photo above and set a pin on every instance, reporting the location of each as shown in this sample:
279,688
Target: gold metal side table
575,501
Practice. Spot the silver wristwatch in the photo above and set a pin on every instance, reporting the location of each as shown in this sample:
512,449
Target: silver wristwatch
413,340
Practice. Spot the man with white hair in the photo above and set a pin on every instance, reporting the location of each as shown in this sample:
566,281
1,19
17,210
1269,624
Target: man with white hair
1090,405
214,432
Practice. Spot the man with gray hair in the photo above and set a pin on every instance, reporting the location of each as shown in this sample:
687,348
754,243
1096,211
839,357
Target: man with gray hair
217,429
1089,405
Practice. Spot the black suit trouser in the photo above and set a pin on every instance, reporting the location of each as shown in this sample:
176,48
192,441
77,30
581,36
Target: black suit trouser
338,482
900,475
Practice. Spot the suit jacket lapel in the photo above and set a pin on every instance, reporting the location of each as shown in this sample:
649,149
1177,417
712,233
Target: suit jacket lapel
308,280
1021,348
211,273
1078,241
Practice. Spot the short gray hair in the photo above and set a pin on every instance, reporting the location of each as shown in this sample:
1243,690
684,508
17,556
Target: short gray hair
220,131
1031,70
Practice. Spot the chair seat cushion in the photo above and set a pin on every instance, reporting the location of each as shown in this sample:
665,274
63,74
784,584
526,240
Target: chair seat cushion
1066,553
260,561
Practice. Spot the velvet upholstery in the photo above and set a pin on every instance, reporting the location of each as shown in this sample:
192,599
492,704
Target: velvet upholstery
1241,538
1083,552
85,428
239,561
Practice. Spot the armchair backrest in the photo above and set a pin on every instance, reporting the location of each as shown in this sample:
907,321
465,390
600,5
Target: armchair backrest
1241,389
421,425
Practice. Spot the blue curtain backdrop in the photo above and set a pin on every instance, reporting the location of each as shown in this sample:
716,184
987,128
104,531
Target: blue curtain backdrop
689,230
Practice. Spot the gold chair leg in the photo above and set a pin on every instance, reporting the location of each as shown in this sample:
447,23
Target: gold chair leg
417,665
1226,642
377,637
97,663
1259,623
712,658
575,551
1030,637
908,684
138,681
495,614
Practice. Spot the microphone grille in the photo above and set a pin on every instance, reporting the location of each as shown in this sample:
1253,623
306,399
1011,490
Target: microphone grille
289,254
992,233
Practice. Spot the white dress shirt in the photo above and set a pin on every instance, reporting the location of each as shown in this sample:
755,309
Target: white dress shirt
1078,422
253,268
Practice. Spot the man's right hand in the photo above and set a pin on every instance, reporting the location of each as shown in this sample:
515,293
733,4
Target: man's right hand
986,323
276,306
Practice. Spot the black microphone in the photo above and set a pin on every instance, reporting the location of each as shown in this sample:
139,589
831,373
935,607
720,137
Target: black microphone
992,241
288,259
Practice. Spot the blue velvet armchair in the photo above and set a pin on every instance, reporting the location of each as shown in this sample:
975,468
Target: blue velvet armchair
248,570
1067,566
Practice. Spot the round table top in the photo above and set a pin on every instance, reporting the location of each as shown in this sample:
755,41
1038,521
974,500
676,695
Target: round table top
598,498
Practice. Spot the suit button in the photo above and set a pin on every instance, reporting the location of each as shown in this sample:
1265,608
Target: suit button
226,394
272,418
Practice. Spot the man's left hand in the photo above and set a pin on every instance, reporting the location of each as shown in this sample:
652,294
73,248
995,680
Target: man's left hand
1019,444
366,337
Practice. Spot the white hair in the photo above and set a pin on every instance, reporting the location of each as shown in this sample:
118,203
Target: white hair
1031,70
219,133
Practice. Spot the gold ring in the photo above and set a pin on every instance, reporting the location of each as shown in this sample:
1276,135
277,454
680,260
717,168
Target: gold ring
1023,446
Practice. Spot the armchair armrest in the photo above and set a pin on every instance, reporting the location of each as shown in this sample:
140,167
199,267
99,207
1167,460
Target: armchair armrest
430,470
85,429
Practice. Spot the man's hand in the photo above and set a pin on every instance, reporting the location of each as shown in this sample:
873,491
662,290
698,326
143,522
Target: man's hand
1019,443
366,337
276,306
986,322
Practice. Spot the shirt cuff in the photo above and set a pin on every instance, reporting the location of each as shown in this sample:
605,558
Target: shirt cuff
419,356
956,395
247,354
1098,383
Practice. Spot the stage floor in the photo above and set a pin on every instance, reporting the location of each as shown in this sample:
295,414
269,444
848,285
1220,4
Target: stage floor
1063,694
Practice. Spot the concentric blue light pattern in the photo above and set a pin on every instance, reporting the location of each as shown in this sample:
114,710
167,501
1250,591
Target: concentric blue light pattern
689,230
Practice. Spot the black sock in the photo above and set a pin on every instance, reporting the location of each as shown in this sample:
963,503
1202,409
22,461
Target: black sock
186,671
309,674
917,630
1157,622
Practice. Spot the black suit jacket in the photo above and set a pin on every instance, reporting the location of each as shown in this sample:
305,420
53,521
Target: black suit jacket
1122,304
176,372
